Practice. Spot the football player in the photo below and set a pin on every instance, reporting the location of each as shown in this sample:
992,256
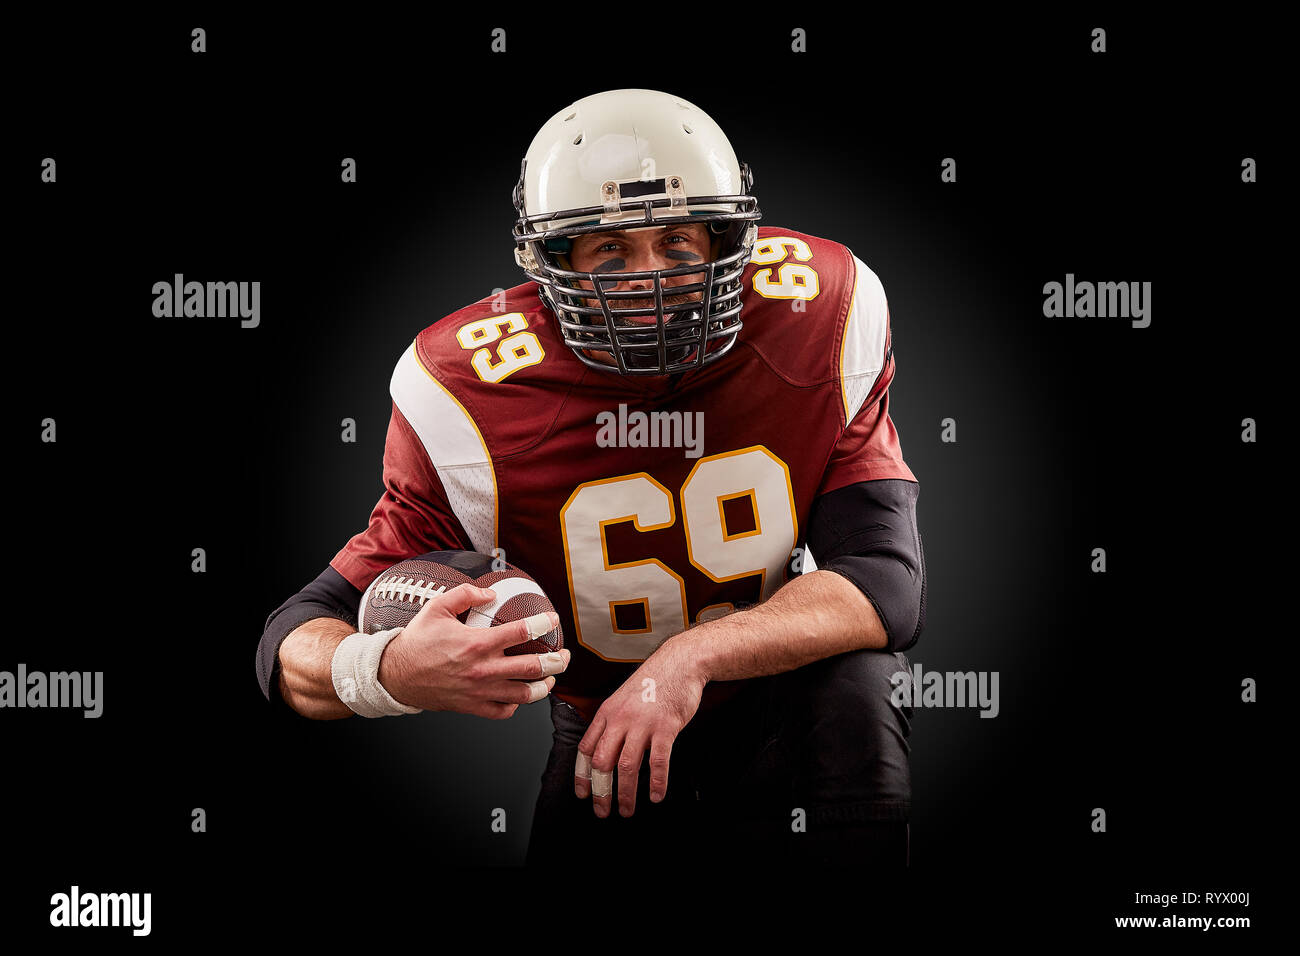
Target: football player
679,425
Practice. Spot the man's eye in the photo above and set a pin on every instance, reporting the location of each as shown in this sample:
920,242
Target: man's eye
676,236
607,247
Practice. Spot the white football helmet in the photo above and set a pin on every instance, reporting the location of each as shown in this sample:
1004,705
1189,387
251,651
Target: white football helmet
627,159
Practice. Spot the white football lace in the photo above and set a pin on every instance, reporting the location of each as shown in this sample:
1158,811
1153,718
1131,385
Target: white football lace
398,588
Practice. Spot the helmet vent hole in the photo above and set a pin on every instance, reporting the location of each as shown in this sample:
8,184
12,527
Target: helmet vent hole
578,140
687,128
572,115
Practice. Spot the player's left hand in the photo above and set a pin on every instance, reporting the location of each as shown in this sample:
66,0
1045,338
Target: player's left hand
649,710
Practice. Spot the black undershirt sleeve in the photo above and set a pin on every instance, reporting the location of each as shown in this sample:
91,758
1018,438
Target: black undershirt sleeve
329,595
867,533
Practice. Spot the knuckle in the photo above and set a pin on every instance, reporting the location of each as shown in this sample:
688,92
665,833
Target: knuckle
451,595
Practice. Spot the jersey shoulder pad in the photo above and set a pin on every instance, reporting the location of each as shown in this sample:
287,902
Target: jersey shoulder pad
865,344
452,381
796,292
448,346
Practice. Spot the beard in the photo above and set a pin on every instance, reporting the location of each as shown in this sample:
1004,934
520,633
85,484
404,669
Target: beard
649,303
673,354
680,344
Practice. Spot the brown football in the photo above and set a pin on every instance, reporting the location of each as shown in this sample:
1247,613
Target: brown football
395,596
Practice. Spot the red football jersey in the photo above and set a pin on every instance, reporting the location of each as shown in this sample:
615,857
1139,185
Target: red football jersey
642,506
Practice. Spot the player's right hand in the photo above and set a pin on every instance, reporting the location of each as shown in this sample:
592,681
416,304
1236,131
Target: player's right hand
438,663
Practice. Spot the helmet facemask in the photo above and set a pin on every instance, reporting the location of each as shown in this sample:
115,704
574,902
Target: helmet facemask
687,333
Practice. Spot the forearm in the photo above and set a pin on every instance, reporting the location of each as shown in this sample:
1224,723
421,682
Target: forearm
811,617
305,658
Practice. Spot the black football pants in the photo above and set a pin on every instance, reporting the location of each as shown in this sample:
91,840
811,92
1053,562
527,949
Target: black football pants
809,766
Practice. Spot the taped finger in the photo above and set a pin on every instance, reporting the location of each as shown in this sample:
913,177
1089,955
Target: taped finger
552,663
538,624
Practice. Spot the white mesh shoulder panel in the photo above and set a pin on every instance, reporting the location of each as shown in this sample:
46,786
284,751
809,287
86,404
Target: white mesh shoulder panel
862,353
454,446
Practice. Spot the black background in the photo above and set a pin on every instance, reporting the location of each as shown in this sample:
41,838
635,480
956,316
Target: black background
1119,691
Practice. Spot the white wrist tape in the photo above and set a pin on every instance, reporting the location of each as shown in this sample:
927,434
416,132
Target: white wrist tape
355,671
